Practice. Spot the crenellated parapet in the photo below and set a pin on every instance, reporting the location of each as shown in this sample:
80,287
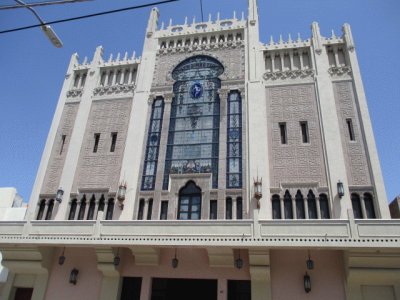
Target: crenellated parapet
201,35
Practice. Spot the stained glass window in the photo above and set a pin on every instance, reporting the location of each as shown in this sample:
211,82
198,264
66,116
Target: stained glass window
194,122
153,144
234,141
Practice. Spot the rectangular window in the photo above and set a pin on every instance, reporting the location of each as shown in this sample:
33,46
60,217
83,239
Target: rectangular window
304,132
213,209
351,130
149,209
96,142
164,210
63,137
282,128
228,212
113,141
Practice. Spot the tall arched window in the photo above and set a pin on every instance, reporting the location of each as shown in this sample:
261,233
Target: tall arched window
369,206
50,209
324,206
276,207
110,209
300,212
228,208
312,205
141,209
72,210
356,203
42,206
92,207
287,203
153,145
189,207
82,209
239,208
194,122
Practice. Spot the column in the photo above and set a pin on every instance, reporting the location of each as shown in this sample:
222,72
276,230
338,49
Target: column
318,207
110,283
260,274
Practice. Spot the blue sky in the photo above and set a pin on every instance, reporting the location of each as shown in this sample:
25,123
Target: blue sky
32,70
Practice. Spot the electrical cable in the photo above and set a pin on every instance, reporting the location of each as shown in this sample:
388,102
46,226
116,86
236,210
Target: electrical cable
88,16
45,3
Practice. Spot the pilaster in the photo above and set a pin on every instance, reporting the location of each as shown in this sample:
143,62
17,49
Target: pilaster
329,121
260,274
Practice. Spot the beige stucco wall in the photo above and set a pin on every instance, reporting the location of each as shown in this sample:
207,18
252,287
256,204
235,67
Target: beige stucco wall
289,266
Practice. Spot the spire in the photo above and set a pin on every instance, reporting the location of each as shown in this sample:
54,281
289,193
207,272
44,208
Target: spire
152,23
253,12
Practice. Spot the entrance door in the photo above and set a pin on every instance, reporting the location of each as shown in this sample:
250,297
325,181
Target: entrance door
23,293
183,289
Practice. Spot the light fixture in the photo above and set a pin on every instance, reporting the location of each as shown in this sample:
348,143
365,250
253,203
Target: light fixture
239,262
73,276
307,283
309,262
59,195
121,193
340,189
61,259
117,259
175,261
258,190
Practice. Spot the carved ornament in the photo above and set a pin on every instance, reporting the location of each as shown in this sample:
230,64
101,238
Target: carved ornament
114,89
290,74
339,71
73,93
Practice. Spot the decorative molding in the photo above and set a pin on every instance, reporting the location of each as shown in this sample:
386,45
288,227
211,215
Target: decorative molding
114,89
73,93
289,74
339,71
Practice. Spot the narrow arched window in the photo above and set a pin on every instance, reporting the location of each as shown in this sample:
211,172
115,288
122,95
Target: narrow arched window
141,209
356,203
92,207
239,208
82,209
324,206
76,81
312,205
300,212
369,206
288,206
189,207
276,207
72,209
42,207
50,207
149,209
101,203
228,208
110,209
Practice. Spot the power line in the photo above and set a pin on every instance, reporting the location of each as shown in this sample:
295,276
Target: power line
33,4
88,16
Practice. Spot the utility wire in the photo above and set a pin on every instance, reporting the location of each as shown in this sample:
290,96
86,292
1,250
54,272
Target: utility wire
33,4
88,16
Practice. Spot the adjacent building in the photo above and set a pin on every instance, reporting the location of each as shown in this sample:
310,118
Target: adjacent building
214,166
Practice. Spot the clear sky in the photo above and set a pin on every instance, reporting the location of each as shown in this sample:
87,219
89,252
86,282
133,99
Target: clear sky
32,70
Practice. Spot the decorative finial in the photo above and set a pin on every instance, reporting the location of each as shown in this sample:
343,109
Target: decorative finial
271,41
290,38
170,22
234,14
162,25
209,18
298,37
111,57
333,34
280,39
186,20
118,56
194,20
126,56
217,16
133,54
85,60
242,15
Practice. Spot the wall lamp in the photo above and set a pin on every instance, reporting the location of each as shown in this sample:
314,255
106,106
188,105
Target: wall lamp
59,195
307,283
340,189
309,262
239,262
121,193
61,259
175,261
117,259
258,190
73,276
